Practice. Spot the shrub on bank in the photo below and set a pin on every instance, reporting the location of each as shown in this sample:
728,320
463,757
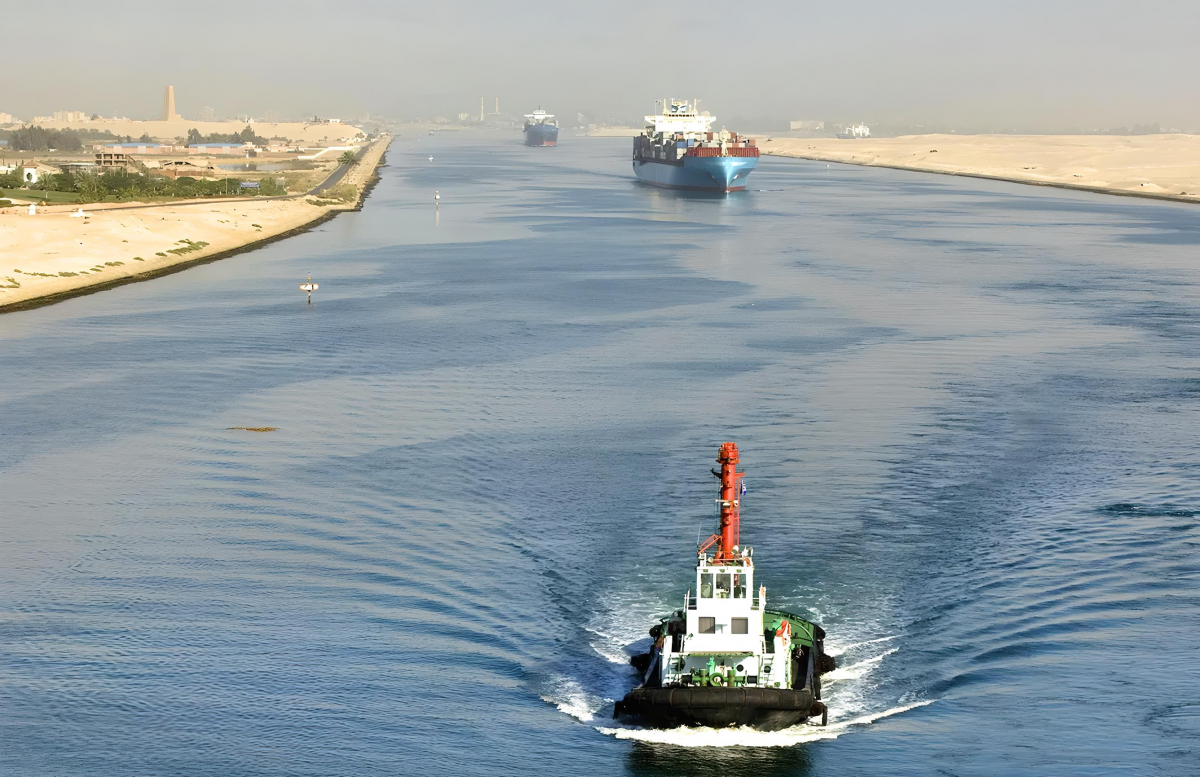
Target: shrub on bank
346,192
123,185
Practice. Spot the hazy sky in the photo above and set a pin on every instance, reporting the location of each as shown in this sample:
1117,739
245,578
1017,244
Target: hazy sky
1050,63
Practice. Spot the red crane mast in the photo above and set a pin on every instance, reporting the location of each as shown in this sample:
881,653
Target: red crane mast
730,500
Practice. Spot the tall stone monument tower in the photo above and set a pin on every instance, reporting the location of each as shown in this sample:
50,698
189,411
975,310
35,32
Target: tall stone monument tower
169,113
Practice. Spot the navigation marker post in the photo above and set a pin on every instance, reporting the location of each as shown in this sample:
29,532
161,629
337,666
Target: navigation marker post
310,287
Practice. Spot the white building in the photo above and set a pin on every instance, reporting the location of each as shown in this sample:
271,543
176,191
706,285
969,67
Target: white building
808,125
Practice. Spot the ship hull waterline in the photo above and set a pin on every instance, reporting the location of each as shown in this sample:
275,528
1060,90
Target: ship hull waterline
765,709
700,174
541,135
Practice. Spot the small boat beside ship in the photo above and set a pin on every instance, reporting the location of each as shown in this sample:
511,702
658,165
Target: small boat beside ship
541,129
679,150
725,658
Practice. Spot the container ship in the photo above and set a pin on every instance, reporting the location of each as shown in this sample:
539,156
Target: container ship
541,129
725,658
679,150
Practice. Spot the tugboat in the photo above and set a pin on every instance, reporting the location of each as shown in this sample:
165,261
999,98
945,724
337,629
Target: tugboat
541,129
725,659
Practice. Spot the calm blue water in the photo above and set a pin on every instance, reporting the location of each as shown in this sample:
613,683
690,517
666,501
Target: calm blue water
969,413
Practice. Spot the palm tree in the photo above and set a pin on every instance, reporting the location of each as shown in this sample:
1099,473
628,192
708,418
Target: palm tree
347,158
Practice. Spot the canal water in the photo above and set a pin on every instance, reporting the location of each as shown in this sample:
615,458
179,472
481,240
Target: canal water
969,412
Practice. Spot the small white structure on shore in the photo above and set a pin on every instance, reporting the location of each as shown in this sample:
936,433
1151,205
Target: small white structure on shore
310,287
856,132
32,209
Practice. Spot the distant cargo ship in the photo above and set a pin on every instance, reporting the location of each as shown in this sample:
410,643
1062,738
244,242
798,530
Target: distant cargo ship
679,150
541,129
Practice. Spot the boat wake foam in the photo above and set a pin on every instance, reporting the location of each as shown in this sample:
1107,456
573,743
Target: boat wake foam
610,647
856,670
570,697
748,737
839,650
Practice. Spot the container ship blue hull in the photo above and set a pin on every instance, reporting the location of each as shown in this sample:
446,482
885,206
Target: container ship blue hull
701,174
541,135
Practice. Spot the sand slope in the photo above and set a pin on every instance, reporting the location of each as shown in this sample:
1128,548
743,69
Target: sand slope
53,253
1163,165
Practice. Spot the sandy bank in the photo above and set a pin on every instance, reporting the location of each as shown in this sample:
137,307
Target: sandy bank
53,255
1147,165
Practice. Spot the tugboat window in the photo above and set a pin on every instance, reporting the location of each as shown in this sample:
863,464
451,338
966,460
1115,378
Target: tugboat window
708,625
722,586
740,626
739,586
705,586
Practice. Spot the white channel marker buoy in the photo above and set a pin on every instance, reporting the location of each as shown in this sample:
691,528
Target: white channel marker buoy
310,287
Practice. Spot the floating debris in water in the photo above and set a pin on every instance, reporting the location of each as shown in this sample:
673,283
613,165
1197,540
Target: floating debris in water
254,428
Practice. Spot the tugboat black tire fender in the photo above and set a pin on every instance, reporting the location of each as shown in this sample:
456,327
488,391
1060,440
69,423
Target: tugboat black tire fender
764,708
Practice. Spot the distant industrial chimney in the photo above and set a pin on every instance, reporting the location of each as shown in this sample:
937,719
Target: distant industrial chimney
497,106
169,113
480,109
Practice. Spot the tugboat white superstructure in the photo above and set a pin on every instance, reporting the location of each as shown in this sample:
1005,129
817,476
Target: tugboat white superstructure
725,659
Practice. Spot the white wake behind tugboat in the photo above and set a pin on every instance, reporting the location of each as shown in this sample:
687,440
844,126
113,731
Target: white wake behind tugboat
725,659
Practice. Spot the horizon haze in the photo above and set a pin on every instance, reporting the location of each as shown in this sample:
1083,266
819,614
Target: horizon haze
1051,65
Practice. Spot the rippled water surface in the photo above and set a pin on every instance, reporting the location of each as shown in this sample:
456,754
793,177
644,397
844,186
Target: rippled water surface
967,411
